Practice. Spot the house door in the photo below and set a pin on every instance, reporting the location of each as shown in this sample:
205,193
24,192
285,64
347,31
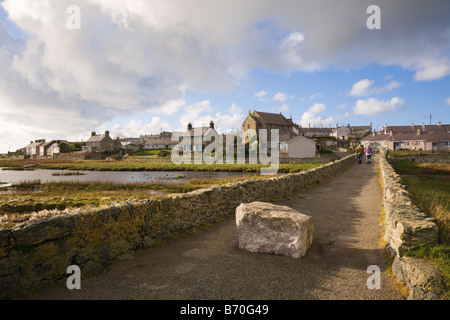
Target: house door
396,146
434,146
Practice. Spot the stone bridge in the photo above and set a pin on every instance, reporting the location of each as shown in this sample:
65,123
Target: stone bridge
348,246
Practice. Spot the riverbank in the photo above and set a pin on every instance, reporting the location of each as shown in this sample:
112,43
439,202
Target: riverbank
146,165
34,199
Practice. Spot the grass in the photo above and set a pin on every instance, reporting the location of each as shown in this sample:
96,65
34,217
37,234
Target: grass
440,256
146,153
407,153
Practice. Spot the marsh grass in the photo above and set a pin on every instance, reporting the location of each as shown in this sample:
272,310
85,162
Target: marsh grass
22,200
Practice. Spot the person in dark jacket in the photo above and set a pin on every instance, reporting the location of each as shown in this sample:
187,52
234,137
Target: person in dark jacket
359,152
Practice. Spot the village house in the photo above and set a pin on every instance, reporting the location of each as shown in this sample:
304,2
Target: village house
320,132
160,144
258,120
102,143
130,146
298,147
200,137
422,137
34,148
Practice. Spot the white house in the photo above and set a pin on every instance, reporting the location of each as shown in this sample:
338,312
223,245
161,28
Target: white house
298,147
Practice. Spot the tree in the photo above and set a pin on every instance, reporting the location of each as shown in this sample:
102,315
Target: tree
76,146
64,147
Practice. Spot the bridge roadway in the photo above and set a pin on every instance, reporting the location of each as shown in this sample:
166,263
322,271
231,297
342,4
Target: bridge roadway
209,264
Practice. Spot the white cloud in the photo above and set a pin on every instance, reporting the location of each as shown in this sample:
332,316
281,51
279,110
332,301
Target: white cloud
202,113
447,101
361,88
315,95
364,88
372,106
311,117
136,127
260,95
284,107
433,70
281,97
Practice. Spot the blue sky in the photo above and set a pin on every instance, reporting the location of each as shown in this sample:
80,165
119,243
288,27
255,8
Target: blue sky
135,67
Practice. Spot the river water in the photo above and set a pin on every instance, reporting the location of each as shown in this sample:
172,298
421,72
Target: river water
15,176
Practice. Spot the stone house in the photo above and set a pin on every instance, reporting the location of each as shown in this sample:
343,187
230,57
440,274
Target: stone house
102,143
258,120
298,147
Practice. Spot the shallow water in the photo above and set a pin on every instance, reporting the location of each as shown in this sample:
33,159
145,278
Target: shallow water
15,176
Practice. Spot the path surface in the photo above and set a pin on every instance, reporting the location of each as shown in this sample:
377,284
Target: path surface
209,265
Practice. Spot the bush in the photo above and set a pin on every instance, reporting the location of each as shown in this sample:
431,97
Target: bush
163,154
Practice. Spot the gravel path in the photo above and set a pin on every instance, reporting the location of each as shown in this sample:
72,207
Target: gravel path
209,264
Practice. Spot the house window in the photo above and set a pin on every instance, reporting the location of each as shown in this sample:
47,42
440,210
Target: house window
417,143
407,143
446,143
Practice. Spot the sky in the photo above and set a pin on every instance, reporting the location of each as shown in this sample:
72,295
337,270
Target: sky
70,67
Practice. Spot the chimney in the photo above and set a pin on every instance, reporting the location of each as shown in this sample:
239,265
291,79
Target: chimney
391,133
374,133
419,132
93,133
439,124
107,133
412,124
211,124
189,126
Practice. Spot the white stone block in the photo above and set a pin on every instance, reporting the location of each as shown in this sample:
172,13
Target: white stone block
268,228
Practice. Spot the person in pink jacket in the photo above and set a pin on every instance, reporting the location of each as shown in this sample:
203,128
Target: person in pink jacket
368,152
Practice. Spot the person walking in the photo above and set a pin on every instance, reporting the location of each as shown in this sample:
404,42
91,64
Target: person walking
368,152
359,151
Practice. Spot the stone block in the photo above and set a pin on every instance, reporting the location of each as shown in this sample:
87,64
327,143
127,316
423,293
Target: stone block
268,228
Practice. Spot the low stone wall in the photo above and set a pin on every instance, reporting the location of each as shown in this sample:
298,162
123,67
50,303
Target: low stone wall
39,251
406,228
